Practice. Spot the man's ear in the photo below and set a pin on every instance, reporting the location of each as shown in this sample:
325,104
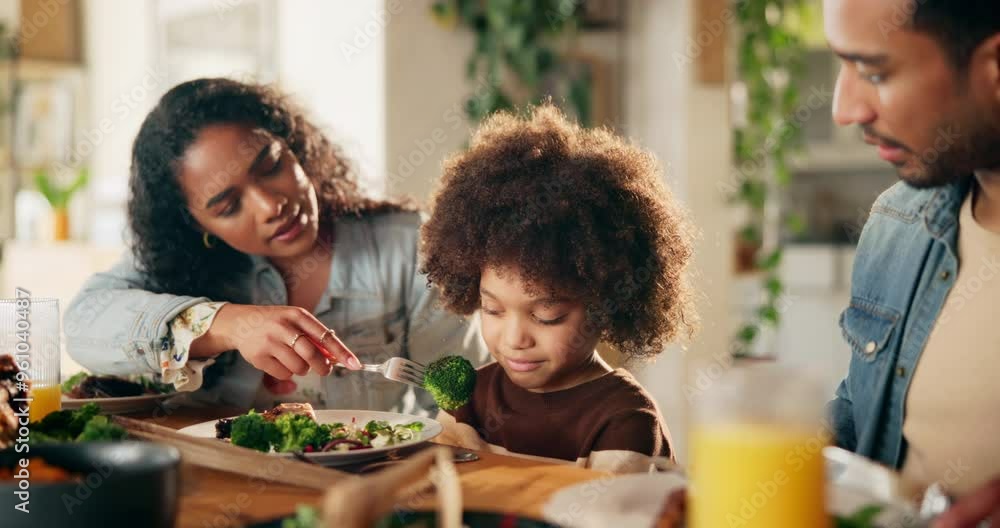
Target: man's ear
985,67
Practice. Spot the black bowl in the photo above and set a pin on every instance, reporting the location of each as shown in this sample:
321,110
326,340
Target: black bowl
119,483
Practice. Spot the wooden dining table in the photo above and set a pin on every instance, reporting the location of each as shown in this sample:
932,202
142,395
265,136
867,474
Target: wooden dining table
214,499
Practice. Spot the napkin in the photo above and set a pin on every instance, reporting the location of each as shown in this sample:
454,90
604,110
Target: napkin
628,501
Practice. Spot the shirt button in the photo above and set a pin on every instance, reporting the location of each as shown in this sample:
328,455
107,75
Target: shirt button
901,372
870,347
945,275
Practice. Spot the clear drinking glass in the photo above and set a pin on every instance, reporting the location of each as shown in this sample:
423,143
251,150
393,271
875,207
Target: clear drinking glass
29,330
757,450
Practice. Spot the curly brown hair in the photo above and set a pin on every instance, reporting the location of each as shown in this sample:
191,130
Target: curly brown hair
579,212
167,242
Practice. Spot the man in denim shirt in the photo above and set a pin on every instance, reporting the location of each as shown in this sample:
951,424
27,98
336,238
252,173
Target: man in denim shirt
922,80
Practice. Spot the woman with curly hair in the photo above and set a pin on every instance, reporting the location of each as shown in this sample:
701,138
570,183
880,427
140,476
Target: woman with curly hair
254,252
561,237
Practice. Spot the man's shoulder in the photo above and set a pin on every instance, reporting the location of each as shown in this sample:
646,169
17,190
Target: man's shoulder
904,202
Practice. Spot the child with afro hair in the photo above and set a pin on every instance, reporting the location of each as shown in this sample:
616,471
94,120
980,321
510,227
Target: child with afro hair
562,237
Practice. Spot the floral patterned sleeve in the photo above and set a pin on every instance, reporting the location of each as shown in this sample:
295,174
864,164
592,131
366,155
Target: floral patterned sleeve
176,368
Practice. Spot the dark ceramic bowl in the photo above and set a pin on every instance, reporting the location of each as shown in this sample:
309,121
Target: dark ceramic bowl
117,484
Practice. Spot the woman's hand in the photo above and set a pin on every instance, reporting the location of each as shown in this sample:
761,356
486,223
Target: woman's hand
266,337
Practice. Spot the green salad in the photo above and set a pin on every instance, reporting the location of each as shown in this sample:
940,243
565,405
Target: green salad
298,432
85,424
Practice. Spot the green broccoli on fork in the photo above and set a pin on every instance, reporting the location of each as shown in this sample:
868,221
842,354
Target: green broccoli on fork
450,380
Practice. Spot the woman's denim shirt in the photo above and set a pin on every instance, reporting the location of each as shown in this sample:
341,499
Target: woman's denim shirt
376,300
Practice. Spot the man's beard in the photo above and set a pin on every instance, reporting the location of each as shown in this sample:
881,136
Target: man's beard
958,150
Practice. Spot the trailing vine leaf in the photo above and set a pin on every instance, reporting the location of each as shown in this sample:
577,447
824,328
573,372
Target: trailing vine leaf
794,223
772,260
770,59
520,41
774,287
750,234
748,333
769,314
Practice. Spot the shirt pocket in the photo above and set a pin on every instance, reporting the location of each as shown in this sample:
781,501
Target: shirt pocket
868,328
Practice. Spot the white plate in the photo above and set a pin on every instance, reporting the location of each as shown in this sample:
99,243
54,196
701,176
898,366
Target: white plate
637,499
122,405
340,458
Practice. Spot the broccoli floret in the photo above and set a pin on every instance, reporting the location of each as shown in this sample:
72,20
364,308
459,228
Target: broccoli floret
450,380
253,431
100,429
64,426
298,431
85,424
82,416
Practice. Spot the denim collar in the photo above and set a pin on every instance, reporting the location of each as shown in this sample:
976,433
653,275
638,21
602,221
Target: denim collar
354,270
942,210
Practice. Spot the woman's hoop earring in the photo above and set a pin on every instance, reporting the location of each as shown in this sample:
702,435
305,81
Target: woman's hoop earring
205,240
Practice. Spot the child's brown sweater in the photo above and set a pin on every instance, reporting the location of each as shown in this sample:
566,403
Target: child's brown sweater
611,416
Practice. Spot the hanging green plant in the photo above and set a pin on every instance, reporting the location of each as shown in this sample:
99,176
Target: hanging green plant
520,54
770,59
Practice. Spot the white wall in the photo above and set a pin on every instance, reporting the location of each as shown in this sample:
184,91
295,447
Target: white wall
425,93
124,83
331,57
686,125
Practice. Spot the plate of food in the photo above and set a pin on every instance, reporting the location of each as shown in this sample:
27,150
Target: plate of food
327,437
115,394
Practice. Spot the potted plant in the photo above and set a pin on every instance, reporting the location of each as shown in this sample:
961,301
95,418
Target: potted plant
59,197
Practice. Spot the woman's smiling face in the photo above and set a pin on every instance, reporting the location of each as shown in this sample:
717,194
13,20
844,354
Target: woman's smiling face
541,341
245,186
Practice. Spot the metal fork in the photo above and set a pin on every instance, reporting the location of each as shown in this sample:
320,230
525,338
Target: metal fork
399,369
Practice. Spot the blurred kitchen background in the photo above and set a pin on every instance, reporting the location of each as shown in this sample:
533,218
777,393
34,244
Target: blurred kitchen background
389,80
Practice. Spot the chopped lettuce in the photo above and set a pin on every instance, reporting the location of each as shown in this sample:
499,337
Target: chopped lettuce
73,381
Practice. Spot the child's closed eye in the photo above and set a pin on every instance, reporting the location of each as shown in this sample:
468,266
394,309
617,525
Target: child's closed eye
489,311
553,321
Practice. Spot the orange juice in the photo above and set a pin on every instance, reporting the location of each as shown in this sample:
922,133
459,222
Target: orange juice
757,476
47,399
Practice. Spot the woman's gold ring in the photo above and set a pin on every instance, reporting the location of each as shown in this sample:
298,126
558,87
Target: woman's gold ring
291,344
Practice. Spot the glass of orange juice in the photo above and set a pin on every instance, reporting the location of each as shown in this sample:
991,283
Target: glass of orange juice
757,442
29,330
